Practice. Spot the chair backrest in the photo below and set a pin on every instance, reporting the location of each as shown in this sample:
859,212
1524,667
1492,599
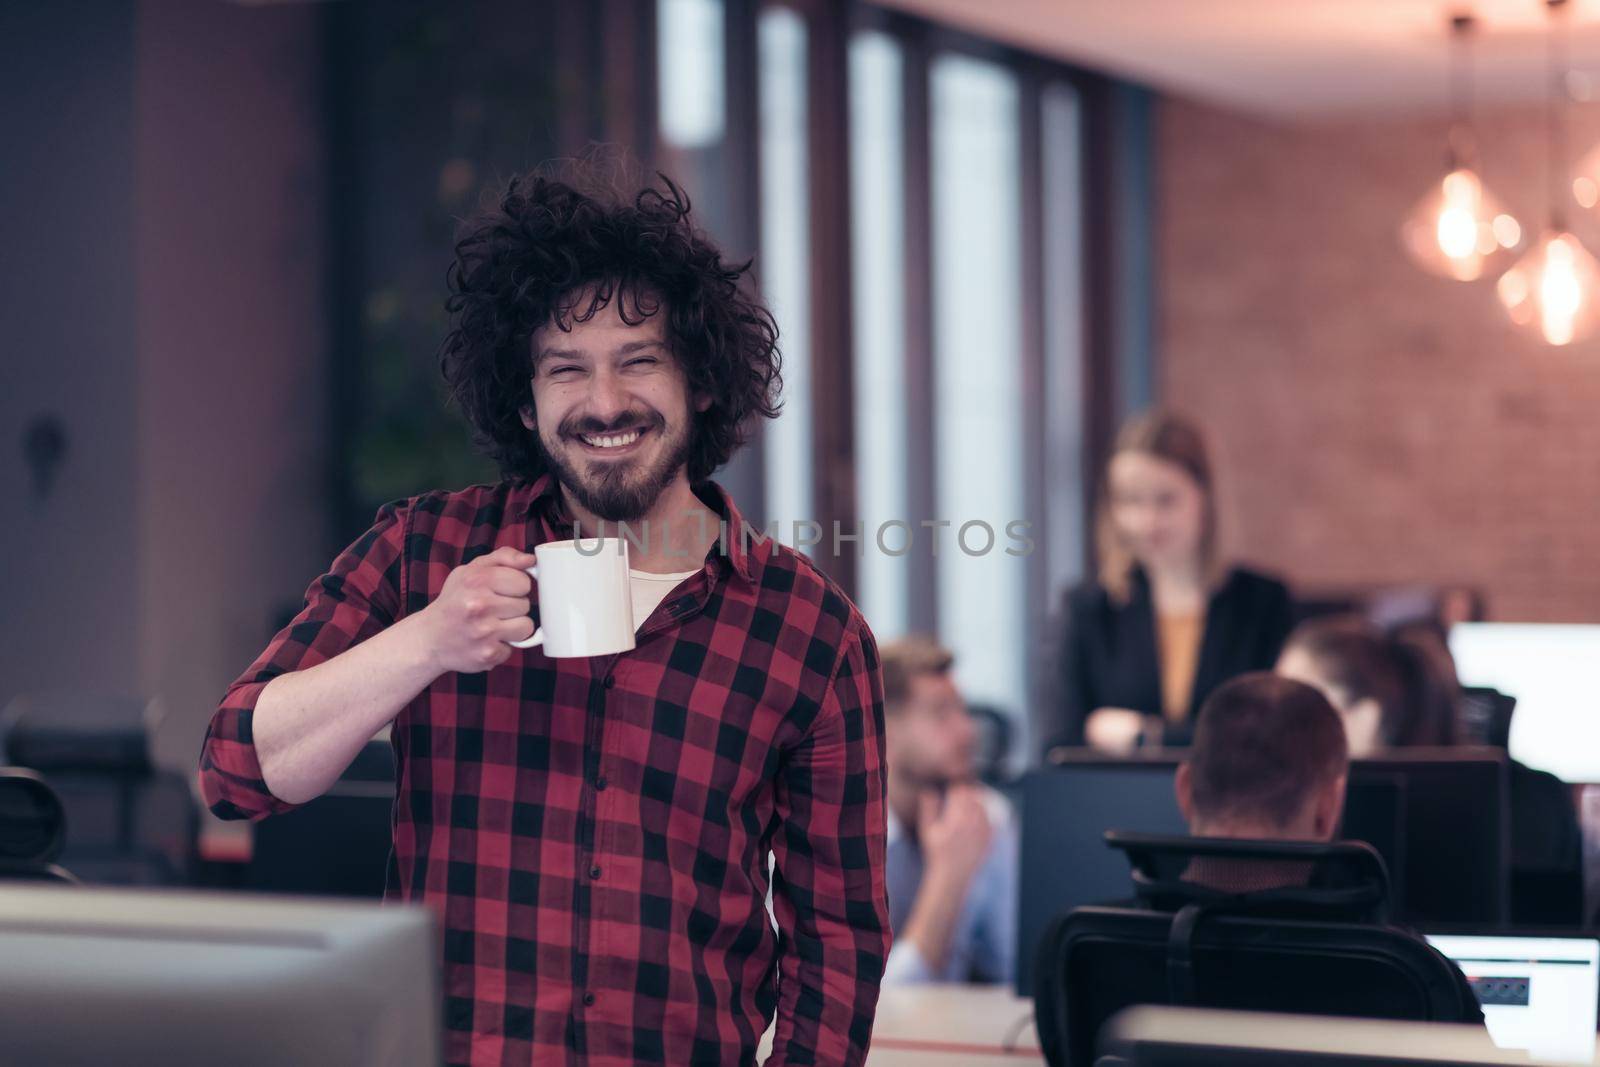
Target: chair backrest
1486,716
1338,881
1096,961
995,739
131,822
32,828
129,830
78,730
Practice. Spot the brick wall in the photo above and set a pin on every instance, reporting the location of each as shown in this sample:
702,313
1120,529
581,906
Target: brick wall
1372,423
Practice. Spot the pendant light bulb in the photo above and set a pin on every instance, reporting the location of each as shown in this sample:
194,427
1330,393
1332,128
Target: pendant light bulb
1458,229
1554,289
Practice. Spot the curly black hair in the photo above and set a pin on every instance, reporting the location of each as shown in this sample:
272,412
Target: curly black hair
556,251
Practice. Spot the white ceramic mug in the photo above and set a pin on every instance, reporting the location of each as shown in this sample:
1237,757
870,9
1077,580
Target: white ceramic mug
585,605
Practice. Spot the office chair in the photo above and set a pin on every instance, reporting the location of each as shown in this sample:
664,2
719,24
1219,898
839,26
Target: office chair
995,738
32,828
1485,717
132,823
1316,948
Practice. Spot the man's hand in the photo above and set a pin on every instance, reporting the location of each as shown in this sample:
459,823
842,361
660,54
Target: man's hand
482,606
955,836
310,723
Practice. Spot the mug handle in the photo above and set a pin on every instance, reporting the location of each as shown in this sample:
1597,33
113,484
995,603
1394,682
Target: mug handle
538,634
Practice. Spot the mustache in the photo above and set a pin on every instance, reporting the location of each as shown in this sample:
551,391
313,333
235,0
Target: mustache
589,426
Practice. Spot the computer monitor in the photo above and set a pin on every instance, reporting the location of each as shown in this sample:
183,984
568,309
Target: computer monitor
1162,1036
179,978
1067,809
1455,868
1553,670
1539,994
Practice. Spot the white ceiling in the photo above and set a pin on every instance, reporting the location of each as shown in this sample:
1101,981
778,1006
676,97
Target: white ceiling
1290,57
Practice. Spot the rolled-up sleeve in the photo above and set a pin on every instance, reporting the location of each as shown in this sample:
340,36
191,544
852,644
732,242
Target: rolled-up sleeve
831,902
360,595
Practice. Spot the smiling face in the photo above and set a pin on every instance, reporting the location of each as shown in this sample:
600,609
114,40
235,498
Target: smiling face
611,411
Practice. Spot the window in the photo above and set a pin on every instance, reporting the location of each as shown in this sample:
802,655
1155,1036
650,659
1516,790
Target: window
877,264
1062,211
689,62
785,260
977,298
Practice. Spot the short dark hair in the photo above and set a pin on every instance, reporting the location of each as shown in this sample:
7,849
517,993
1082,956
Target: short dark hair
561,250
1263,746
910,657
1409,675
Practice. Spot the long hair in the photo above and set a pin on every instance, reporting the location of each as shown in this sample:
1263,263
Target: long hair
558,251
1174,439
1416,693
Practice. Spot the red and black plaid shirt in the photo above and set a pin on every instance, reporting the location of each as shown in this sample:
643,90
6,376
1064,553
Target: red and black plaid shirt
593,833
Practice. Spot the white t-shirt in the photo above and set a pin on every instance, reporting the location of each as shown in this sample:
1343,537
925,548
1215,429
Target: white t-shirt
649,590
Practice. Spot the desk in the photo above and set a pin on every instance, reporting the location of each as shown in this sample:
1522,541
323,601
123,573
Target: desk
953,1024
941,1025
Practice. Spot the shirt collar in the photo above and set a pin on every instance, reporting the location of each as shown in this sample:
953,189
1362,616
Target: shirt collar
744,554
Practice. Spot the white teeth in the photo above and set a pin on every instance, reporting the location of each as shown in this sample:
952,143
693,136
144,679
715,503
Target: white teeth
612,440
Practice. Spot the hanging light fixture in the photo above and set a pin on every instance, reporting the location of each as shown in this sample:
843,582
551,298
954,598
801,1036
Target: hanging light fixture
1458,229
1555,287
1586,178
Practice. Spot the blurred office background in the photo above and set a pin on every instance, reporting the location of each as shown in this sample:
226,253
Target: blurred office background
988,231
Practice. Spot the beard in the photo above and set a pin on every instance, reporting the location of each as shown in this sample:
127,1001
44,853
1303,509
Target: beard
621,490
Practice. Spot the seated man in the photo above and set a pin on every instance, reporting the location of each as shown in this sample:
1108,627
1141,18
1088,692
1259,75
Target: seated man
1269,762
952,854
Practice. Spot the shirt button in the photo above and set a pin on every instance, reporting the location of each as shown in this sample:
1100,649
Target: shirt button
588,1000
600,783
594,872
611,681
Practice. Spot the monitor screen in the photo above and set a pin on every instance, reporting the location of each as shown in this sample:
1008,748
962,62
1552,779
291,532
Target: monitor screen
103,975
1554,672
1539,994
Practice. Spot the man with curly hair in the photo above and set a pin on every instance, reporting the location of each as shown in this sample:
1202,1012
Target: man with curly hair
598,836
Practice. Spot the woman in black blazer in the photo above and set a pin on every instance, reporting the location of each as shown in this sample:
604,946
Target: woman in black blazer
1163,623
